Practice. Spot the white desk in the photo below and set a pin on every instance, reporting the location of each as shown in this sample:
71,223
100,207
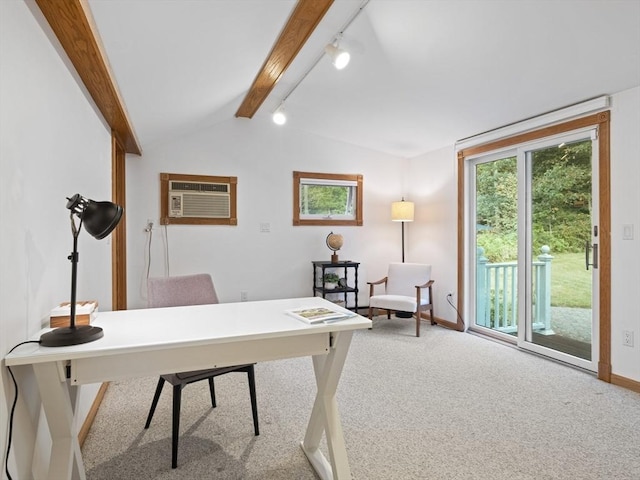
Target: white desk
150,342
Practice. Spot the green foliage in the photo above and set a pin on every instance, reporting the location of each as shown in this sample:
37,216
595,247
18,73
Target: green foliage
561,199
561,191
497,247
324,199
331,277
496,193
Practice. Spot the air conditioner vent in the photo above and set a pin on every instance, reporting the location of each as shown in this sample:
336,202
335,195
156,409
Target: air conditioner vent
199,187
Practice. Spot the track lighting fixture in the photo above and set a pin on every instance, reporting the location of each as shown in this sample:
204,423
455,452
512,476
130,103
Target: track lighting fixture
279,117
339,57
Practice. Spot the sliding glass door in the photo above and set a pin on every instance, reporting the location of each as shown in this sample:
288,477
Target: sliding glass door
535,240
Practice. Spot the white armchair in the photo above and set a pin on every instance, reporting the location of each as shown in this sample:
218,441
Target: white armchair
407,289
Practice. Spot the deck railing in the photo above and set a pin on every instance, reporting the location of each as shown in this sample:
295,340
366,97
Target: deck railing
496,293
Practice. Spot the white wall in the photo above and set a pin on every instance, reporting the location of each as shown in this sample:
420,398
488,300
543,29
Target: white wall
266,265
433,234
52,145
625,210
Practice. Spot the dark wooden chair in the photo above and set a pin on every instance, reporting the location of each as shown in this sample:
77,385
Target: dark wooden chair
190,290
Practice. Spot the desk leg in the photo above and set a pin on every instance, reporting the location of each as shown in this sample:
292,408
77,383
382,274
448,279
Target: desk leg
325,417
66,460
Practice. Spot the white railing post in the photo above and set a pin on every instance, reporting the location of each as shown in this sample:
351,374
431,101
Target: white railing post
482,310
543,297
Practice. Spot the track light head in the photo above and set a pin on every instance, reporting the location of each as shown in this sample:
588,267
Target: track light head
339,57
279,117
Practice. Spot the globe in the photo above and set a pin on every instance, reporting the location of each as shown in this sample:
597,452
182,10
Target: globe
334,241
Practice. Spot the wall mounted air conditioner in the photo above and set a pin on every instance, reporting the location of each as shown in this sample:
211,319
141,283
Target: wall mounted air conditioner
199,199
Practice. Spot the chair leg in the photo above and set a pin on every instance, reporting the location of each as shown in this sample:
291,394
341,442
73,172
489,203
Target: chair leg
177,395
254,405
154,404
212,391
418,315
433,318
388,314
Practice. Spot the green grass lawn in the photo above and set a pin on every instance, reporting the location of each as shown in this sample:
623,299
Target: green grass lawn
570,281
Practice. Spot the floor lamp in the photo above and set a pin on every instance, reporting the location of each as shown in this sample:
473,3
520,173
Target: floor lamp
99,219
402,212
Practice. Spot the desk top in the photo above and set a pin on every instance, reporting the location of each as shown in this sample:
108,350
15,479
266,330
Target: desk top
127,331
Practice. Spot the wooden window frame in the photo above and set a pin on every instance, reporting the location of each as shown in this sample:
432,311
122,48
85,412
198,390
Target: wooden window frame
165,219
298,176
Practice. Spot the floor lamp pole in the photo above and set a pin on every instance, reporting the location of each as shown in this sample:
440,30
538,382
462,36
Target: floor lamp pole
402,242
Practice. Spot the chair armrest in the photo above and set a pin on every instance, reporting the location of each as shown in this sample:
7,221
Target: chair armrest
419,293
428,284
378,282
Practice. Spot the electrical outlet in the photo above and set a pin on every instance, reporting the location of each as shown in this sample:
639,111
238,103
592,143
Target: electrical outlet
627,338
450,294
244,296
149,226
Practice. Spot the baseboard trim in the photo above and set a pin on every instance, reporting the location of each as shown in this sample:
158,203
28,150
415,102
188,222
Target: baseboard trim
625,382
86,425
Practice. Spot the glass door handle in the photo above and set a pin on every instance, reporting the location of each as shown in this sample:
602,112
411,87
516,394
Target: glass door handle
587,248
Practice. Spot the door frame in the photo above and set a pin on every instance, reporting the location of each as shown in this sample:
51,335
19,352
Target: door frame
601,121
119,235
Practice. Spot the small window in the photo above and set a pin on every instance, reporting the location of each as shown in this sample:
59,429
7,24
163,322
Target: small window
327,199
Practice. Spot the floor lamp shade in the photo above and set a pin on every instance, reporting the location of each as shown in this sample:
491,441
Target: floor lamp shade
99,219
402,211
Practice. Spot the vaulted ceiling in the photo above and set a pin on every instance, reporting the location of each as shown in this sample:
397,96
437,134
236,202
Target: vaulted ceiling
423,73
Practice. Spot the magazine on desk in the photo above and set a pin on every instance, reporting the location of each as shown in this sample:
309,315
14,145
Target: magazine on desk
315,315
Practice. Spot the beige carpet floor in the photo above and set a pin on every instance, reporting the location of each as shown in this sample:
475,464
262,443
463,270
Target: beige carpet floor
447,405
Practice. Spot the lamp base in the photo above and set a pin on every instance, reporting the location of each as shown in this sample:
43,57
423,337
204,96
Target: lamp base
64,336
404,314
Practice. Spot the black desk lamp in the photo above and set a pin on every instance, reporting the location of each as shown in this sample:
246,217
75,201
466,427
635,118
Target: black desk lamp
99,219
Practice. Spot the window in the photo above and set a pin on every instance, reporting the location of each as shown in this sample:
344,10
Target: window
327,199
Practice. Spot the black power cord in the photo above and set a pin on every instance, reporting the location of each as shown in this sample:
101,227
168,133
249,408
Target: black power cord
13,409
449,296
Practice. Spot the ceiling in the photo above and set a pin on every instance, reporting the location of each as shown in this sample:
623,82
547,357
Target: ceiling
423,73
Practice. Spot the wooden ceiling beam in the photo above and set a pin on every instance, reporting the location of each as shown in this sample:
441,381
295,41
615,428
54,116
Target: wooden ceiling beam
303,21
72,23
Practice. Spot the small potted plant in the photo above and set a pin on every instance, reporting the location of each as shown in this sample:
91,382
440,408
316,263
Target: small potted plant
330,280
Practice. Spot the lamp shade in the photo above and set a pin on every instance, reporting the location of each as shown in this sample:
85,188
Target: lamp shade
98,218
402,211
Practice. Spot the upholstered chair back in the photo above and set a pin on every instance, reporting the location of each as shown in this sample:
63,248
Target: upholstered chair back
402,279
181,290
